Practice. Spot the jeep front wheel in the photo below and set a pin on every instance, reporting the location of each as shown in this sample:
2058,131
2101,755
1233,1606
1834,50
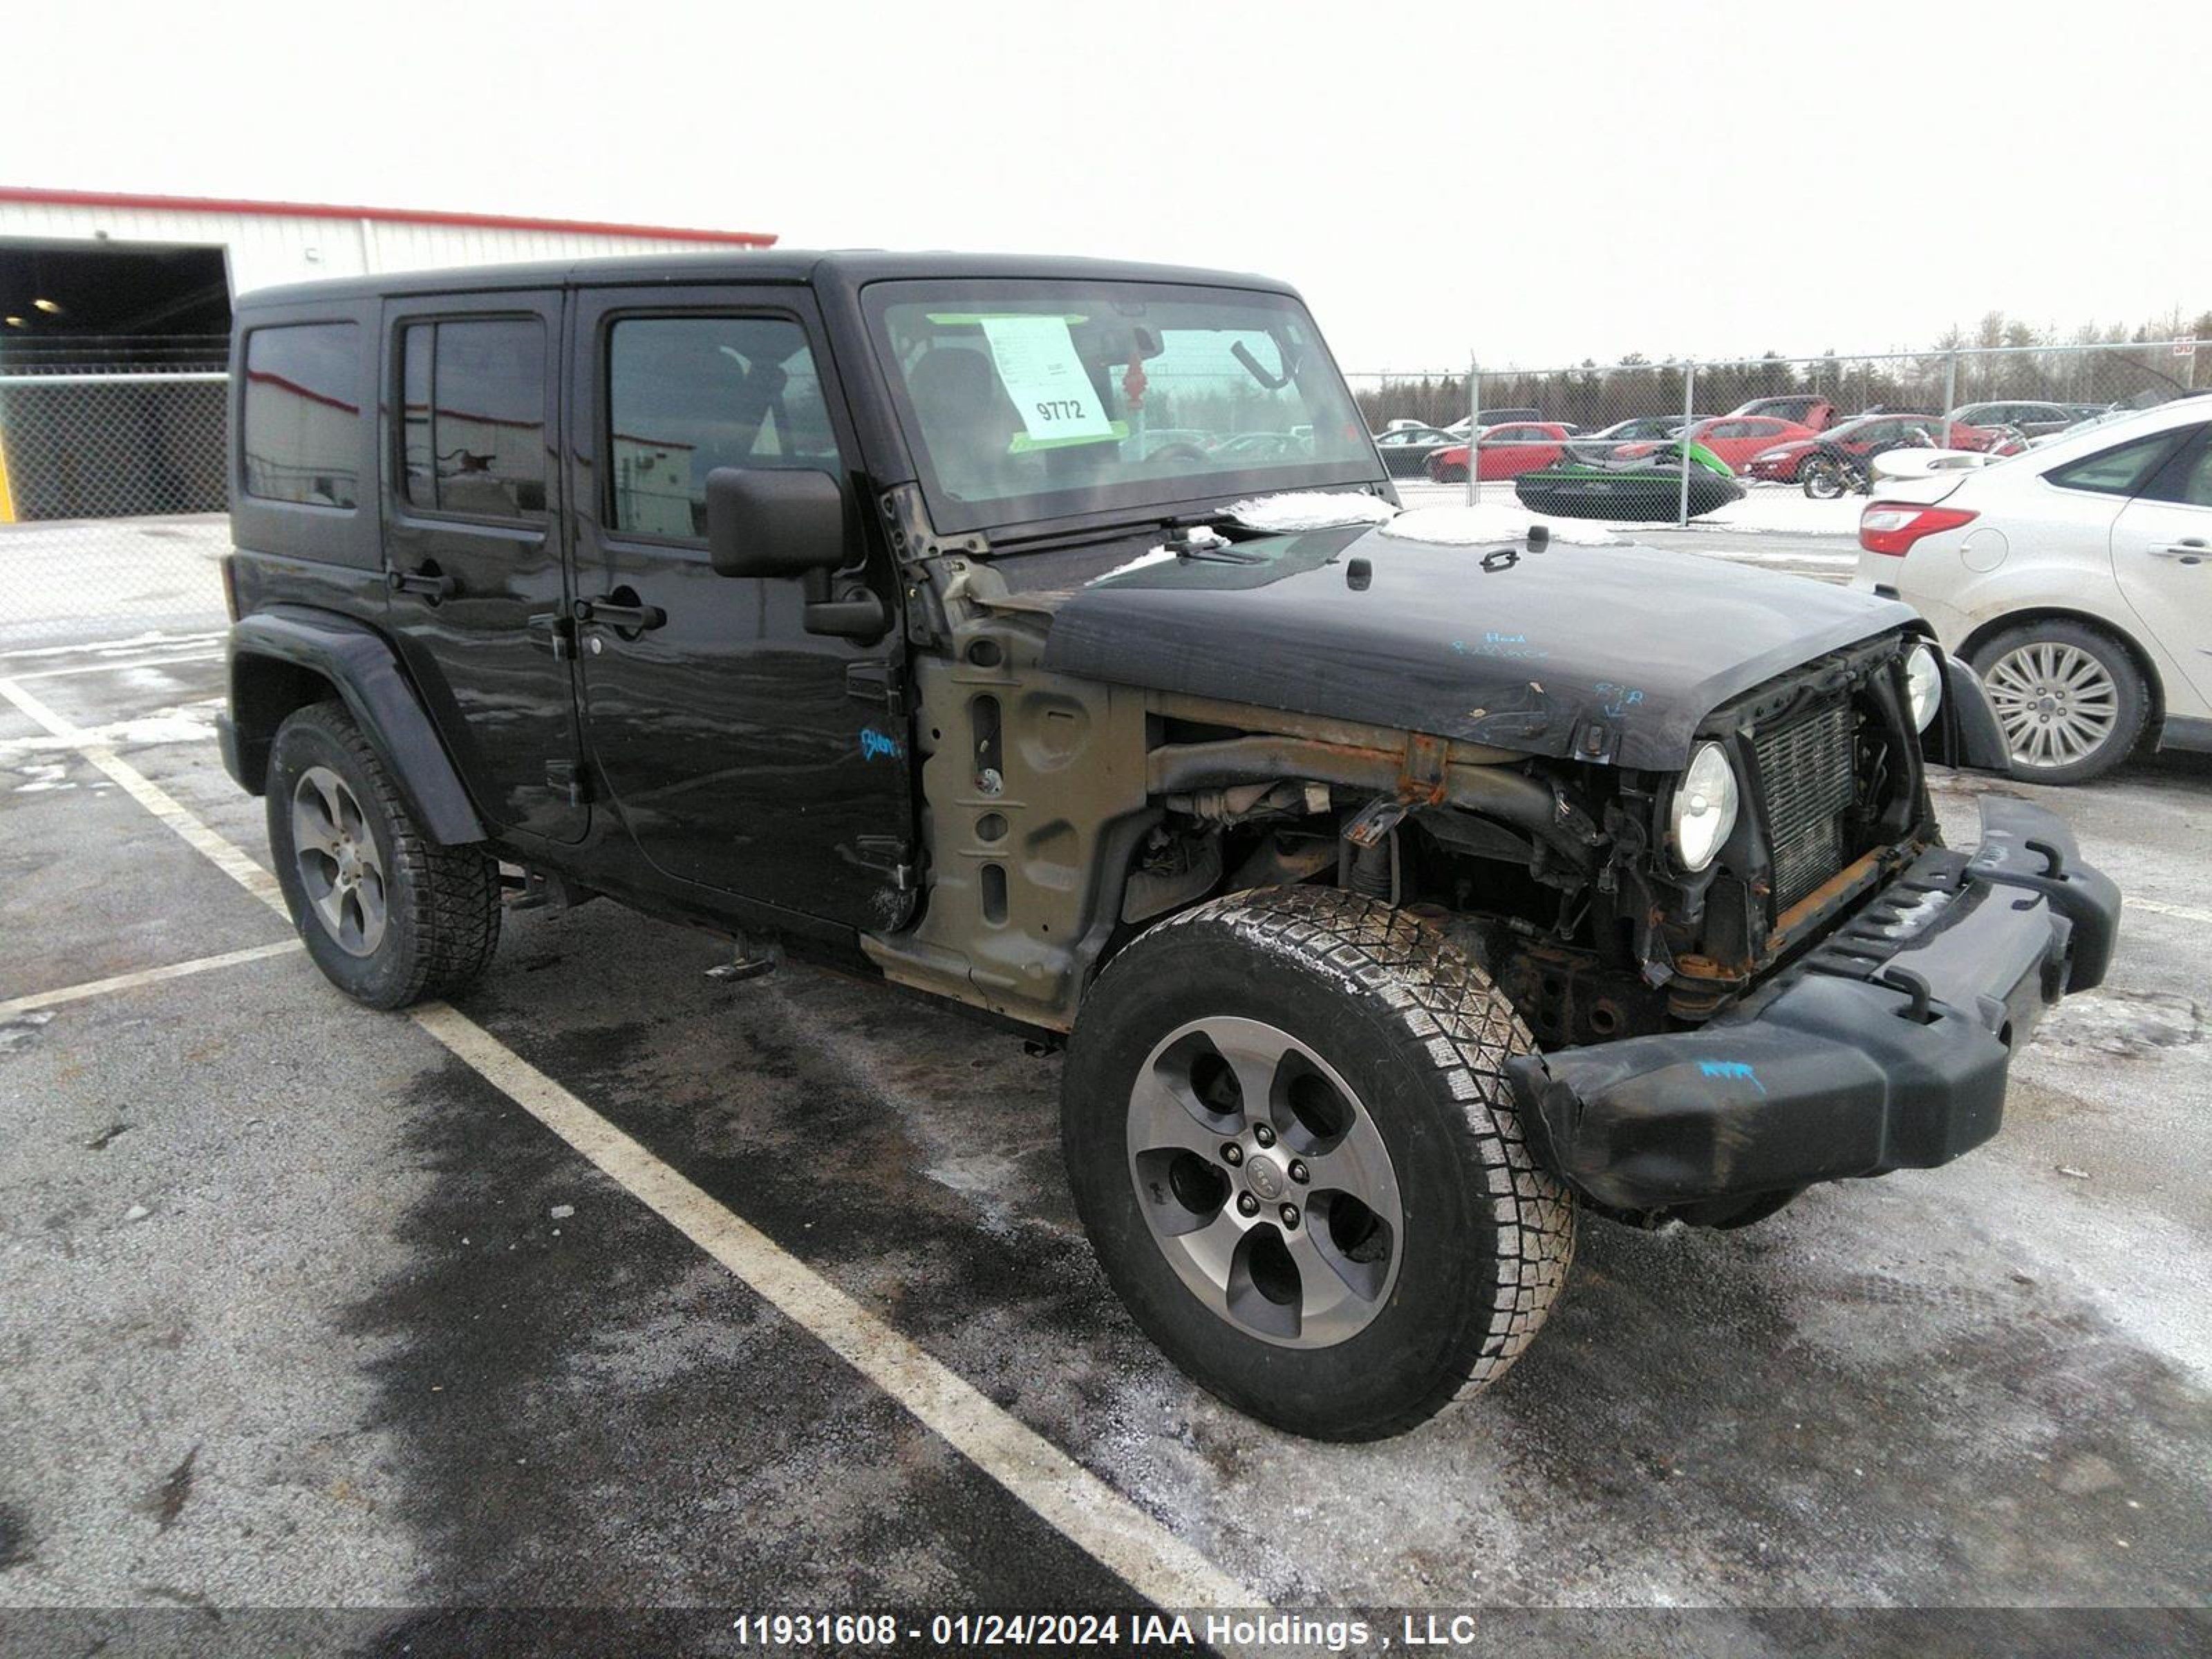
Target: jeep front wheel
1291,1141
388,916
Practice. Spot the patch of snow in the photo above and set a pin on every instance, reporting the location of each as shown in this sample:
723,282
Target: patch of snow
185,723
1312,510
1490,521
42,779
1157,555
20,1028
136,644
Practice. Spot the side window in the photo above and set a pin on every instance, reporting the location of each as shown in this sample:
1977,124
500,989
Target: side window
2121,470
687,394
2189,483
300,432
472,415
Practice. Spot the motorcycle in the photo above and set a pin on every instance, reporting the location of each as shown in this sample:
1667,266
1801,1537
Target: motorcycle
1833,470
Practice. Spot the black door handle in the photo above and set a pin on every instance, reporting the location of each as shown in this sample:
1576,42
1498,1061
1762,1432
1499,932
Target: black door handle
624,617
429,583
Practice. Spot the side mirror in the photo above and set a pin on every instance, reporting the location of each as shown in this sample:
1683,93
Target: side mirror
778,522
769,522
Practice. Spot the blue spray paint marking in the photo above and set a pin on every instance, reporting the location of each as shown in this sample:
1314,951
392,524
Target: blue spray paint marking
1619,699
875,744
1494,644
1732,1068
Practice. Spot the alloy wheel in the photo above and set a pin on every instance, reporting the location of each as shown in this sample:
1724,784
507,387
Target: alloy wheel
1265,1182
2056,702
341,870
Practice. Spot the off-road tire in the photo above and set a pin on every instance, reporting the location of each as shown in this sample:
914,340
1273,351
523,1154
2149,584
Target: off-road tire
1423,1036
2131,693
442,904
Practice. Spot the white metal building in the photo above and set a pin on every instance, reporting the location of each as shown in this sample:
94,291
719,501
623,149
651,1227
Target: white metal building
263,243
114,308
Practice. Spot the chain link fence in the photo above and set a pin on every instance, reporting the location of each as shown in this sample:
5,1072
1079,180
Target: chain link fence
1777,444
112,495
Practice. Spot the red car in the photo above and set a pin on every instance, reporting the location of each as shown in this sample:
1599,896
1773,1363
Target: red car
1737,438
1507,453
1869,435
1807,409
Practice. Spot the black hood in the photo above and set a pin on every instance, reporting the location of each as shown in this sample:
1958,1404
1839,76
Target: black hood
1490,644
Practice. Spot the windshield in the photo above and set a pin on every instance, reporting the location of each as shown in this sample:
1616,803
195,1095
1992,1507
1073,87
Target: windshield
1031,400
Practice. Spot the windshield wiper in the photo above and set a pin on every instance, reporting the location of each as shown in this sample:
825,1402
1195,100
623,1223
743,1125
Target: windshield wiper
1195,537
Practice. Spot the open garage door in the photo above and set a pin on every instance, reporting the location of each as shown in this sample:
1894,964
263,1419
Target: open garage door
110,406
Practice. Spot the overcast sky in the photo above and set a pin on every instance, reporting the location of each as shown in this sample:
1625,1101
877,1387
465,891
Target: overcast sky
1531,182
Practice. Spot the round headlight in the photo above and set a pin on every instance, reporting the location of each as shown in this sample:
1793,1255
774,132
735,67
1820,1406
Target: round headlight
1703,808
1923,685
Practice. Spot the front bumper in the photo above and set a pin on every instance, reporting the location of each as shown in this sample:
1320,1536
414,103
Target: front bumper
1886,1048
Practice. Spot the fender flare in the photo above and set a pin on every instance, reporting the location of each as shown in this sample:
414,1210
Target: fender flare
360,664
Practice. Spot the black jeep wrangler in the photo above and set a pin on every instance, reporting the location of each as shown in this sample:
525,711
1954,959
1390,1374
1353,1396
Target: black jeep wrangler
1044,635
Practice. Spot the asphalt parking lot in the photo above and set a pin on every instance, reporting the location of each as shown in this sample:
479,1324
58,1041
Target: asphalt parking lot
309,1306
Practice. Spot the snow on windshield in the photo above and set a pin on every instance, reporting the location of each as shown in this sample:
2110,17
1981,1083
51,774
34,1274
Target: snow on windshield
1490,521
1311,510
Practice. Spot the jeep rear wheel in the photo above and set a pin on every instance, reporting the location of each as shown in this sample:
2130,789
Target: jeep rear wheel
389,917
1293,1144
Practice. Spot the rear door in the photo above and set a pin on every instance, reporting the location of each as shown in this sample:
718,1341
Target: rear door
2162,555
744,755
472,545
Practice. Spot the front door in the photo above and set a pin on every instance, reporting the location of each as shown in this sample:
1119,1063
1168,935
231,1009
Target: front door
2162,555
473,545
744,755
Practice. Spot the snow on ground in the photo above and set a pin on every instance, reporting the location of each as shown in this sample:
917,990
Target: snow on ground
1491,521
1764,507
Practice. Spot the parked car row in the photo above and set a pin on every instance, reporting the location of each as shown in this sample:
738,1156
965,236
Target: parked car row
1770,438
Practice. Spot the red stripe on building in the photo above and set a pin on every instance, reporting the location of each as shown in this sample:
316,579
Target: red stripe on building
121,200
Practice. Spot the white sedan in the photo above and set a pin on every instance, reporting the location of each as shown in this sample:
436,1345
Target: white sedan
2076,578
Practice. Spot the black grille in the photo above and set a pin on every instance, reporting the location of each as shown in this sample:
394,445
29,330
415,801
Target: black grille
1805,787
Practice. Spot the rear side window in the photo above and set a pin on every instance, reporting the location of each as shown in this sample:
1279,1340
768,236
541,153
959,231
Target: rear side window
472,396
300,436
2120,470
2189,482
687,394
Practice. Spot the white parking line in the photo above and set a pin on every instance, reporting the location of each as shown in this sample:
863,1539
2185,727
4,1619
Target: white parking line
117,667
1080,1506
157,800
154,641
101,988
1083,1509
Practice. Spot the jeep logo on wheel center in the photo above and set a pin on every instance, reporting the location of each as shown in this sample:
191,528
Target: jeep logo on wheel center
1043,637
1264,1179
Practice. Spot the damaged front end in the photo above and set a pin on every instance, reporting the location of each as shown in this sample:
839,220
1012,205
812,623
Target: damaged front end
1888,1048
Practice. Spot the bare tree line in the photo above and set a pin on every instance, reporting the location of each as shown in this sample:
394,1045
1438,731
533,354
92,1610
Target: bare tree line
2037,364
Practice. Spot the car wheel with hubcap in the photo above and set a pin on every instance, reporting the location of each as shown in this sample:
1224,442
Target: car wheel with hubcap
1293,1144
2070,699
389,917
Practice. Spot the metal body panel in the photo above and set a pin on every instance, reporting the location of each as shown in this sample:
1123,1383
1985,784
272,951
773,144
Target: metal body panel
1610,653
361,665
504,702
741,753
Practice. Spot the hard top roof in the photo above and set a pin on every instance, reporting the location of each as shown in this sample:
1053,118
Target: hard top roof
848,269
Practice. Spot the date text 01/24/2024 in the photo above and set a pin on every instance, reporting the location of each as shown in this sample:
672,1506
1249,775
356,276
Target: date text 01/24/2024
1332,1633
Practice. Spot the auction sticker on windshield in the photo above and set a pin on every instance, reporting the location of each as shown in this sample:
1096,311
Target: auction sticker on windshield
1038,360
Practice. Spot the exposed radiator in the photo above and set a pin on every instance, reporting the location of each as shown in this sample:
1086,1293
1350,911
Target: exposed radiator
1806,786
